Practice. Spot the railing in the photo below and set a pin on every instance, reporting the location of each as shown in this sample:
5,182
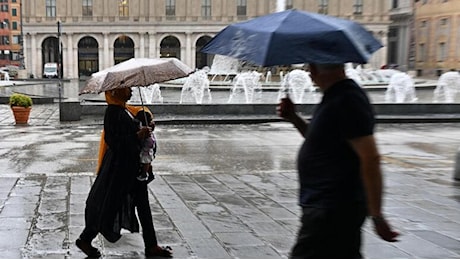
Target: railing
140,19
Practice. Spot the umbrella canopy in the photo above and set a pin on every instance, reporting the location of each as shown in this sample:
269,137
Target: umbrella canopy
294,37
138,72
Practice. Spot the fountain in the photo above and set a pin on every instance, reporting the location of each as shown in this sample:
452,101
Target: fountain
353,73
268,77
223,65
369,76
150,95
401,89
280,5
447,87
196,86
296,83
246,88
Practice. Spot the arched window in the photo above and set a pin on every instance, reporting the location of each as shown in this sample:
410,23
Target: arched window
203,59
123,49
170,47
88,56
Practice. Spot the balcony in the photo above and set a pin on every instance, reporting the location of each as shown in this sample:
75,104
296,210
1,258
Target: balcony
401,11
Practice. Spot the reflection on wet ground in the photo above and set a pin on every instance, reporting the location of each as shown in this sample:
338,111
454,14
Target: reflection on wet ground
222,191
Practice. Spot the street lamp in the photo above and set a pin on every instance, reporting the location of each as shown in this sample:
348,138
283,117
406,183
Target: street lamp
59,31
21,40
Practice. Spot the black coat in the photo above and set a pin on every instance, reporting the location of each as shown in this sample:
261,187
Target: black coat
110,206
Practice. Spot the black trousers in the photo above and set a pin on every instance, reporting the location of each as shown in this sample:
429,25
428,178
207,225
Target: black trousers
330,233
141,202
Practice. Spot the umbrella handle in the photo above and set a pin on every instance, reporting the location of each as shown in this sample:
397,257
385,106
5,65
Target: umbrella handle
142,104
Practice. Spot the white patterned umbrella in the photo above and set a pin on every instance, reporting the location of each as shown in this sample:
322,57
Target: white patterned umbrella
136,72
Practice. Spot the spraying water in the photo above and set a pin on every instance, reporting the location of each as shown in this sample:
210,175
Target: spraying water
223,65
150,95
447,87
296,83
246,88
280,5
401,89
195,88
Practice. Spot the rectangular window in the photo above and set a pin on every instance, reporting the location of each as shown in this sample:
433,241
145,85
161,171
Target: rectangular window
15,26
14,12
206,9
358,7
241,7
421,52
323,6
443,21
289,4
394,4
170,8
5,8
442,51
4,40
123,8
50,8
14,1
16,39
87,8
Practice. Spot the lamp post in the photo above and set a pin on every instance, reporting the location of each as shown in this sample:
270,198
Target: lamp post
59,67
21,40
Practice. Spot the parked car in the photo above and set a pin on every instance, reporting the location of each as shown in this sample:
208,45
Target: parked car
50,70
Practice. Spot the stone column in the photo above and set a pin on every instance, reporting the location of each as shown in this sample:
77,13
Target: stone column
35,56
26,52
152,46
188,50
104,60
141,45
69,69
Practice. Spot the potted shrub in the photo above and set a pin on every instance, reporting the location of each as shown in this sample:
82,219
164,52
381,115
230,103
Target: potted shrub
21,105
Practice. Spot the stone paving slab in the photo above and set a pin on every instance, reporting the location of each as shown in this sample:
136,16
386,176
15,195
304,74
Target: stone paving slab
227,191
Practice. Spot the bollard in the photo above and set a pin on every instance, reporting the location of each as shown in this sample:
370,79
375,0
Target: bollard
457,166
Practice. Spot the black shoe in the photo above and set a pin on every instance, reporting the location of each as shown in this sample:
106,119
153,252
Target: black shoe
88,249
158,252
150,177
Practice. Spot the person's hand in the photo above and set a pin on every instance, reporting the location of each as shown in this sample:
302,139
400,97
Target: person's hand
144,132
286,109
152,125
383,229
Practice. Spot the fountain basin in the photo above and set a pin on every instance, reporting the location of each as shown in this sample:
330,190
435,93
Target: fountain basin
257,113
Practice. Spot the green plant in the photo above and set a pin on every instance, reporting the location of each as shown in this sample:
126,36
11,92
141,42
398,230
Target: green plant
20,100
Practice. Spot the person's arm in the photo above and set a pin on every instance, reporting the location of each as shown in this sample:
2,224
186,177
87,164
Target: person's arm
286,110
371,174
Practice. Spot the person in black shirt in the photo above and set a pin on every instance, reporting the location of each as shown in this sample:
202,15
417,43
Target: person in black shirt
339,168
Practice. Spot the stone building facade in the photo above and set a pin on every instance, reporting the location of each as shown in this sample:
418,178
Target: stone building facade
96,34
437,24
401,35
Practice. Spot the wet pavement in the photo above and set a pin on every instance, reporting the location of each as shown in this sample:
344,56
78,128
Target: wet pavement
222,191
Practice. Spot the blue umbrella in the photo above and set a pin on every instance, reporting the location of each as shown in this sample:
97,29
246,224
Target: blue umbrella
294,37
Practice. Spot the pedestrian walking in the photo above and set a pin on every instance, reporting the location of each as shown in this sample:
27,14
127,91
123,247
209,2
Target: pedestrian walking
116,192
339,168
